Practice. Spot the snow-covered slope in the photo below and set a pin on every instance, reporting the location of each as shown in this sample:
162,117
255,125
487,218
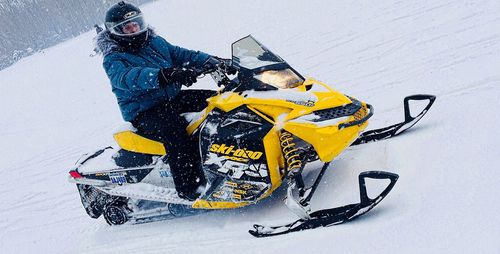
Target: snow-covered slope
57,105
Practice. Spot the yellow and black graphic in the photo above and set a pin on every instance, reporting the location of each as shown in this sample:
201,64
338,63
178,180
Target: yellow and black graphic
237,170
238,191
239,154
308,103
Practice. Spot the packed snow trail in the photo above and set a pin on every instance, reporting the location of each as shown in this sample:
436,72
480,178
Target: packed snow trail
57,105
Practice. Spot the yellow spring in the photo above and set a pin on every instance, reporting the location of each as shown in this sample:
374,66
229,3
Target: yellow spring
290,153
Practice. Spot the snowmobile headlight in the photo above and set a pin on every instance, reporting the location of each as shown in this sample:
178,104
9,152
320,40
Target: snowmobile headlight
280,78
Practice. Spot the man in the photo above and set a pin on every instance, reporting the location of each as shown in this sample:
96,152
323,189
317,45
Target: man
146,74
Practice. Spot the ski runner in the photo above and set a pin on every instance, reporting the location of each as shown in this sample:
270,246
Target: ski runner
146,74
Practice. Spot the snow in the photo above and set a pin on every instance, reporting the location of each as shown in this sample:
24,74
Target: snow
103,162
311,117
57,105
191,117
125,126
282,94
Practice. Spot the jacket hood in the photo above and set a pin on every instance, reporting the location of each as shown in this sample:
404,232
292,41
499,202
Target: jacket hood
105,44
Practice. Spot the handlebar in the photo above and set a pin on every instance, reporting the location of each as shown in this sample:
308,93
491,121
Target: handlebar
218,75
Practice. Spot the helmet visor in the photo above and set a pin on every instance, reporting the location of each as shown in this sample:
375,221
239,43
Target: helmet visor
129,27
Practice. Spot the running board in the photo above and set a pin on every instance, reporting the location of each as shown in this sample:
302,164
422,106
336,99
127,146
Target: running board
147,192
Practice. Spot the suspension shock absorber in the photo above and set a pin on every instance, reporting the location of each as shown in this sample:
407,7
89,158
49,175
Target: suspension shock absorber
290,152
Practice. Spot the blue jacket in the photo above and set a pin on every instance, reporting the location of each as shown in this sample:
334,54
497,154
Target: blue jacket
134,74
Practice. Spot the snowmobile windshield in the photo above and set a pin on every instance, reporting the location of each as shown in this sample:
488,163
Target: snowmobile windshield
263,65
249,53
130,27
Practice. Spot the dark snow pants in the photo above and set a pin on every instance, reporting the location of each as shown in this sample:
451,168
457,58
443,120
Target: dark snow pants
164,123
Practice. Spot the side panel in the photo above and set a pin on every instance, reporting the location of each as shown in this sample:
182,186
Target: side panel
234,158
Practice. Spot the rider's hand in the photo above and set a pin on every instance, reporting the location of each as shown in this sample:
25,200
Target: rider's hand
225,64
182,76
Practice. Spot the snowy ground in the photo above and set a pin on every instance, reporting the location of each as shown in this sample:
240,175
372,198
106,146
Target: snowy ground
57,104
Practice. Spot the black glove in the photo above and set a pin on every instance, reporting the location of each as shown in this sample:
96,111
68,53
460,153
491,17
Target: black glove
182,76
225,64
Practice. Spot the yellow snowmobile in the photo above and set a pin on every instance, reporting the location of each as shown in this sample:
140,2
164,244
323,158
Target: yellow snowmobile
261,129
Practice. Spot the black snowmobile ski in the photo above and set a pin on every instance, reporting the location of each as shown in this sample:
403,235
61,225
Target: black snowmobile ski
396,129
339,215
333,216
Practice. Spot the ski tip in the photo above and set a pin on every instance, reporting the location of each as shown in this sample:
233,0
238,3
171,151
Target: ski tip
256,231
379,175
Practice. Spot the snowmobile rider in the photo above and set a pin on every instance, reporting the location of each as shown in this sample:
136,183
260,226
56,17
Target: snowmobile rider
146,74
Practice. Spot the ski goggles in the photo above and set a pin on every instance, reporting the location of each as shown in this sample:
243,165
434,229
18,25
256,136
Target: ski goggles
129,27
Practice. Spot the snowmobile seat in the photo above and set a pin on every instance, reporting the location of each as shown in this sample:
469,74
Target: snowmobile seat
133,142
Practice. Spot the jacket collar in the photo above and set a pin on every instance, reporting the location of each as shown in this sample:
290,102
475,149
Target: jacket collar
105,44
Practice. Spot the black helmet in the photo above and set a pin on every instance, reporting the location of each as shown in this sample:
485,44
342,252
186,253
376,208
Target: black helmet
126,24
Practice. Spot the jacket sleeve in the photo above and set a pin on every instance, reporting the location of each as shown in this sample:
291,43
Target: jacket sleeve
181,56
130,78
